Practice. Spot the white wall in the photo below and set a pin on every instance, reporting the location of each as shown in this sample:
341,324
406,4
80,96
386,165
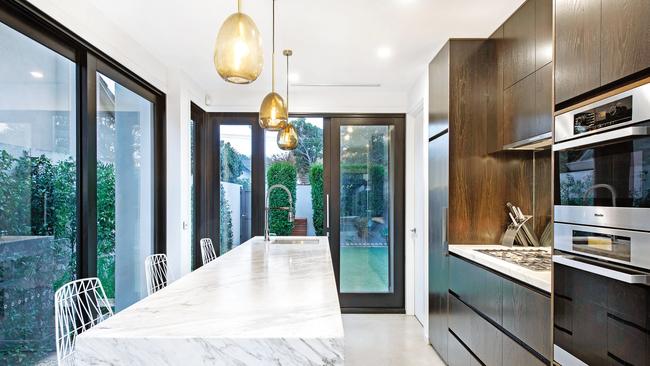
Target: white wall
181,92
315,100
418,97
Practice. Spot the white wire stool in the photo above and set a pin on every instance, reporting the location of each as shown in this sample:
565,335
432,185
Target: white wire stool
78,306
155,267
207,251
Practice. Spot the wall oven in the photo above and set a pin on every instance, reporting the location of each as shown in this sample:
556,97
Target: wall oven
602,232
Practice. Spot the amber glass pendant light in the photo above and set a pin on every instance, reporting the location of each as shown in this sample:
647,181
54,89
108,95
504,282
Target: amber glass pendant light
273,112
288,136
238,54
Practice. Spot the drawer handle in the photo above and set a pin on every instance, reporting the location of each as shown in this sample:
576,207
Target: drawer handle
609,271
618,359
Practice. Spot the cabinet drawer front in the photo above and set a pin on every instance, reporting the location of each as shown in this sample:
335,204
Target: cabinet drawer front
629,302
562,315
527,314
514,354
626,343
458,354
460,319
476,286
590,333
478,334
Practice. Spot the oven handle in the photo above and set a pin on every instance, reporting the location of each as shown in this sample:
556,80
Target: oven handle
627,132
603,270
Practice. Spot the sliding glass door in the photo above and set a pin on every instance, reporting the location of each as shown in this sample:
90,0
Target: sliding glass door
38,193
81,194
124,195
366,198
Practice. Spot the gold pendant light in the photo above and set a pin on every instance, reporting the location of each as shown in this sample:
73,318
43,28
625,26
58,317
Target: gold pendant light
288,136
273,112
238,54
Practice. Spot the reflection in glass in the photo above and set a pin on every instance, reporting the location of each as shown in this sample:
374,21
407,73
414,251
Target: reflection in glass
365,209
124,194
613,175
300,170
235,190
38,196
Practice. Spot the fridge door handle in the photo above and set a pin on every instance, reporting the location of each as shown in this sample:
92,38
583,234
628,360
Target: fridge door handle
445,229
327,213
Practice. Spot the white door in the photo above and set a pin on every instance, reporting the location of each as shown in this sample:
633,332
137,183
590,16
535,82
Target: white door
417,234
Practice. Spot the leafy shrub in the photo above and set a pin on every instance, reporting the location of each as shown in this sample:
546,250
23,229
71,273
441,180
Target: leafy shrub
285,174
106,227
362,190
225,222
316,181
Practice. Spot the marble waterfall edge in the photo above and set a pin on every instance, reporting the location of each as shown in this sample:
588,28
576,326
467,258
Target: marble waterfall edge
259,304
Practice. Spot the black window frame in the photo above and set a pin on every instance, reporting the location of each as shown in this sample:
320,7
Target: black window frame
27,19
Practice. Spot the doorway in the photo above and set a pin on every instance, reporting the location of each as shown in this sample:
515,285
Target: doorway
346,182
416,231
365,202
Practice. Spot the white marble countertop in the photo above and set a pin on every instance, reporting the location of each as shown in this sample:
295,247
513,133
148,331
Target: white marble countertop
257,304
539,279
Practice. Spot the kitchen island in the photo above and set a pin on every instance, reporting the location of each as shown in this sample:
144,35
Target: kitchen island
258,304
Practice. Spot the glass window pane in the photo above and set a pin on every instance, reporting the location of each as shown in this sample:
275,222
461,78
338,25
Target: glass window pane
192,190
38,199
306,164
366,207
235,197
124,190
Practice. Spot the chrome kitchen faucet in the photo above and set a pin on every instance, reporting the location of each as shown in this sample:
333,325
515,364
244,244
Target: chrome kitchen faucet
267,209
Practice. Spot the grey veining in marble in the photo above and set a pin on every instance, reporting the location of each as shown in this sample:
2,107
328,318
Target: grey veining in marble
258,304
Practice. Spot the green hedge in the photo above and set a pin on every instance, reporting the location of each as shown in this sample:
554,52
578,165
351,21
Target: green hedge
30,185
316,181
370,200
285,174
225,222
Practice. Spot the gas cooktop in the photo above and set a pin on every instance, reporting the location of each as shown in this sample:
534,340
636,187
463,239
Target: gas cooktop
533,259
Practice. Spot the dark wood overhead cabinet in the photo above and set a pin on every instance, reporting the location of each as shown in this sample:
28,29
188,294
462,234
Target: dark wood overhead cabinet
524,55
599,42
519,39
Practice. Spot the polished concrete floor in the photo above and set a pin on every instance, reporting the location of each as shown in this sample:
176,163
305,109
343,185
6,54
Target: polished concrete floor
386,339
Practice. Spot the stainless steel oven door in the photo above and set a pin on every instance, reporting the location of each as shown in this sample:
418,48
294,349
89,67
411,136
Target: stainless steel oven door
604,179
630,248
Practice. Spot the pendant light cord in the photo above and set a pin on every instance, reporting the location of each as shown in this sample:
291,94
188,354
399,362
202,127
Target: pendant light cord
239,6
287,84
273,52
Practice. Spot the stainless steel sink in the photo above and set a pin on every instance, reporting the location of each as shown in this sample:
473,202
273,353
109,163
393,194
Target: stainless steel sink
294,241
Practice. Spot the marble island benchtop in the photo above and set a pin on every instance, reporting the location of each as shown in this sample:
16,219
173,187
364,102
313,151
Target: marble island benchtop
258,304
538,279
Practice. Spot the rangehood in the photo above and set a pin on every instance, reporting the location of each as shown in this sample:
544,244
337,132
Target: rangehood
539,142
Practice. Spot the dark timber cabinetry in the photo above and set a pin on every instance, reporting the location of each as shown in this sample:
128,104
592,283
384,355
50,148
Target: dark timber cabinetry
524,55
496,320
598,42
600,320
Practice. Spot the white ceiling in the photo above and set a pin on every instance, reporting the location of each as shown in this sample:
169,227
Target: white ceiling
334,41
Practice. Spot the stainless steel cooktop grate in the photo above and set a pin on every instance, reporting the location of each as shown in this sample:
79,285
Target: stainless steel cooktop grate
533,259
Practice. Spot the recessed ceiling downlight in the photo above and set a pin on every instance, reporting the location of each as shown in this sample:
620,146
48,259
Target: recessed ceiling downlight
384,52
